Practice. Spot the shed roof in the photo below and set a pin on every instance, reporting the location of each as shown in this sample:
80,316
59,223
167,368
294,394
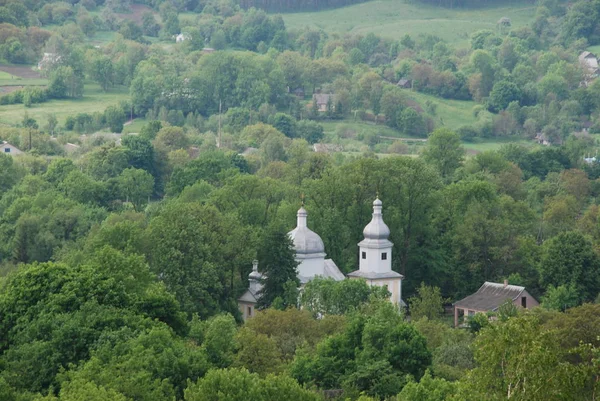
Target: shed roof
490,296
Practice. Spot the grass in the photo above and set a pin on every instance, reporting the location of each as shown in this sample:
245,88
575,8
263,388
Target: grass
395,18
494,144
594,49
449,113
94,99
135,126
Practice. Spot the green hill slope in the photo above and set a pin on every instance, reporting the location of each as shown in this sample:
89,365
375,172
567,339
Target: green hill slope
394,18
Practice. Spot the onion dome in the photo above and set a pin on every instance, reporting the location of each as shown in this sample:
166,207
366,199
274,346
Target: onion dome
377,229
255,275
305,240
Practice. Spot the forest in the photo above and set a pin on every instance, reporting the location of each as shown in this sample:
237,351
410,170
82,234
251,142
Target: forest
128,230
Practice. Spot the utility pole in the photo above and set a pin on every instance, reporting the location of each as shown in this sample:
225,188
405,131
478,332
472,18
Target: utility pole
30,138
219,133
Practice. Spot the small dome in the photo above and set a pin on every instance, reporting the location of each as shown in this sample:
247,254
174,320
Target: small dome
255,275
305,240
377,229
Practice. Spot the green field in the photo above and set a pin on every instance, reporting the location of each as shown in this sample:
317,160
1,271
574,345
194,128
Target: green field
394,18
94,99
449,113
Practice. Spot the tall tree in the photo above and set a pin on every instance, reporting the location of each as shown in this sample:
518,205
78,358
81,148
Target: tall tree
279,266
444,151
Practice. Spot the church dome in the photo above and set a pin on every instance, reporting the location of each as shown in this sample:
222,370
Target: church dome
305,240
377,229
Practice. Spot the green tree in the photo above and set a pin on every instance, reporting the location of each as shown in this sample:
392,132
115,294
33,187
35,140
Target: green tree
115,118
100,69
136,186
241,385
569,259
279,266
444,151
427,389
428,303
561,298
502,94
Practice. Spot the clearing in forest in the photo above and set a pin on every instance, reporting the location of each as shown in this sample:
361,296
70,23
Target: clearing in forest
395,18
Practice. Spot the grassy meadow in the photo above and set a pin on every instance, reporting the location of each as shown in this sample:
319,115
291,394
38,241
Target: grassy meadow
94,99
395,18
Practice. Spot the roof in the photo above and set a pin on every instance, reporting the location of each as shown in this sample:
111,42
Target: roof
322,98
586,54
306,241
490,296
330,271
249,297
403,81
375,276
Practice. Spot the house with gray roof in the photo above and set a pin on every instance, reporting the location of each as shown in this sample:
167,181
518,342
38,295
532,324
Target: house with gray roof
490,296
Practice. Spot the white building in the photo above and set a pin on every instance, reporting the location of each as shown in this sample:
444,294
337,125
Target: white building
310,252
375,260
375,257
182,37
9,149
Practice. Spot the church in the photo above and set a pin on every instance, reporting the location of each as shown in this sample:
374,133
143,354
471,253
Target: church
374,252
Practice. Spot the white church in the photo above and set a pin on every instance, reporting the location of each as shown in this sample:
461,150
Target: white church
375,260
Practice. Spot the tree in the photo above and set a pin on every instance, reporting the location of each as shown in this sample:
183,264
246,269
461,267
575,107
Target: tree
285,124
569,259
241,385
309,130
519,359
411,123
444,151
427,389
136,186
100,69
279,266
502,94
560,298
327,296
149,25
428,303
115,118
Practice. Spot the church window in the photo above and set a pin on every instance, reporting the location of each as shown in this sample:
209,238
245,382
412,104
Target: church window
384,256
364,255
249,311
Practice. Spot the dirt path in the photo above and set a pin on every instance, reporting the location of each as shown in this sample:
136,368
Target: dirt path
24,71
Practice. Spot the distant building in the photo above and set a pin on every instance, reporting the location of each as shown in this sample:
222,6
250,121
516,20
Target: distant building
247,302
589,64
9,149
404,83
207,50
327,147
182,37
490,296
48,60
71,148
375,255
323,100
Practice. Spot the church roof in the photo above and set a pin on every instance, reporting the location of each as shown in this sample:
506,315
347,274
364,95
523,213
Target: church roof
377,229
330,271
305,240
375,276
248,297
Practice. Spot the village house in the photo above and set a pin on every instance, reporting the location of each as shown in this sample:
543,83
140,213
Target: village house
323,100
589,64
375,255
182,37
298,92
404,83
9,149
489,297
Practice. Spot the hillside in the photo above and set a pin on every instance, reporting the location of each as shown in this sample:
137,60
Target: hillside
395,18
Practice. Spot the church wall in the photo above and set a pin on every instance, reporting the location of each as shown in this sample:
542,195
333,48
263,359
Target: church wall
374,262
247,309
394,286
311,267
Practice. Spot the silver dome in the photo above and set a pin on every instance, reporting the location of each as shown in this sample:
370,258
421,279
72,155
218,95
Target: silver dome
305,240
377,229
